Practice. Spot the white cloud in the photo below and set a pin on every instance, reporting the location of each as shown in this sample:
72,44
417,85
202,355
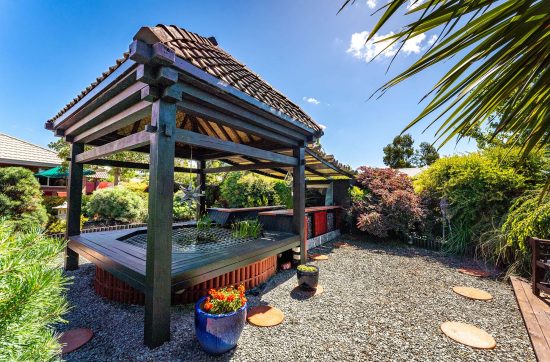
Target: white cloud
414,44
311,100
367,50
323,127
360,48
371,4
432,40
414,4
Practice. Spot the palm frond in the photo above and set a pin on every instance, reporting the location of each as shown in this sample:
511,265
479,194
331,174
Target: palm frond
502,65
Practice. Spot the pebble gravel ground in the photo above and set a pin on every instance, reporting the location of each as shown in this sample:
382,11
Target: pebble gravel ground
380,303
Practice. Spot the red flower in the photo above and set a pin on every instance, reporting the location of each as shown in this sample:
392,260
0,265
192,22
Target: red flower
231,297
207,306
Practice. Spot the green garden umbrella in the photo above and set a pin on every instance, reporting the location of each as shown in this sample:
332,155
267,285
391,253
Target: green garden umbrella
58,172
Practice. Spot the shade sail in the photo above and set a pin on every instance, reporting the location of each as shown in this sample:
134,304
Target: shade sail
58,172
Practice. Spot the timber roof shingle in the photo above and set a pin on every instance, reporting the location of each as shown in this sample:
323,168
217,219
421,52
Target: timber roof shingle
205,54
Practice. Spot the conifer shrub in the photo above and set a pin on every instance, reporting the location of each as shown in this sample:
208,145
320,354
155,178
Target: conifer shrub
31,294
21,198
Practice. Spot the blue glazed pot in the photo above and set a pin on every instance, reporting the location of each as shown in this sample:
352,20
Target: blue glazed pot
218,333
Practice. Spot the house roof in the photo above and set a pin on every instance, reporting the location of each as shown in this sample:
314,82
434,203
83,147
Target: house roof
205,54
14,151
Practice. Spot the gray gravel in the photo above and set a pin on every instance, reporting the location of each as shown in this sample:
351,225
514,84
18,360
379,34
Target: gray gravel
381,303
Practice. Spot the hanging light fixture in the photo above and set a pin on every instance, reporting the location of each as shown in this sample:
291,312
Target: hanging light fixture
191,195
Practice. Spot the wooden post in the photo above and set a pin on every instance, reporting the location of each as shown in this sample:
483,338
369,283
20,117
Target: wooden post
74,204
201,181
158,277
299,199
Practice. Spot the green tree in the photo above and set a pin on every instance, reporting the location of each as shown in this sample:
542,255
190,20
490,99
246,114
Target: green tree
21,198
118,173
31,289
399,153
425,155
502,52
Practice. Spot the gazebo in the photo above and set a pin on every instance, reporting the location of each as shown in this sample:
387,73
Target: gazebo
177,94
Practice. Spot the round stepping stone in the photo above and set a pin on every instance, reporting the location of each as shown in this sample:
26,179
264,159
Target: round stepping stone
307,293
468,334
341,244
472,293
474,272
318,257
74,339
265,316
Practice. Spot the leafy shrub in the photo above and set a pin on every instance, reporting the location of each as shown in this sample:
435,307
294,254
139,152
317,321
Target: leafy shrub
386,203
479,192
21,198
247,228
182,210
534,167
246,189
31,300
529,216
117,203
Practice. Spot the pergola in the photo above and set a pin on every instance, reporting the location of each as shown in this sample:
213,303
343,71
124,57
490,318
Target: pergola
173,95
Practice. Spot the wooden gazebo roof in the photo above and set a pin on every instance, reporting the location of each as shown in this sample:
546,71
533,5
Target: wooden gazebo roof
203,57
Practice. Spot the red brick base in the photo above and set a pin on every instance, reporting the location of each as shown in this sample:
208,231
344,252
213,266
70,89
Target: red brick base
112,288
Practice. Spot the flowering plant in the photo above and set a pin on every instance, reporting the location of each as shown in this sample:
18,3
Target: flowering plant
224,300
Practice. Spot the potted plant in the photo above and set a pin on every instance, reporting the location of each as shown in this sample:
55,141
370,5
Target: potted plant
308,276
220,318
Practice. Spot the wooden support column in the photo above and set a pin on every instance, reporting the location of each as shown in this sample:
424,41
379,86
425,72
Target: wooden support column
299,199
74,204
159,227
201,181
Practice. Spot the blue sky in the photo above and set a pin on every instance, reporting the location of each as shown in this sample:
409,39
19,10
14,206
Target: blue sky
51,50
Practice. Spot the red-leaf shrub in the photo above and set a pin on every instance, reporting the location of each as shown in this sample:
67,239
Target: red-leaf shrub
387,204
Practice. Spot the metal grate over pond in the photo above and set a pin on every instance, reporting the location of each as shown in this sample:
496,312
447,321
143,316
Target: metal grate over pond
191,239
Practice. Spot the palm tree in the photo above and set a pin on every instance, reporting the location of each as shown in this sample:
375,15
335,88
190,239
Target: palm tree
502,49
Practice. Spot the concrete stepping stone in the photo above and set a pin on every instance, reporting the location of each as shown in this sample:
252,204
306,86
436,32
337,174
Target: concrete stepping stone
303,293
474,272
473,293
318,257
265,316
341,244
468,335
74,339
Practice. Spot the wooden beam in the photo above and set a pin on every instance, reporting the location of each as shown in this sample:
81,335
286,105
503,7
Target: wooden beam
116,104
328,164
74,204
132,114
214,100
158,274
255,171
196,139
136,165
299,200
99,95
202,111
255,166
126,143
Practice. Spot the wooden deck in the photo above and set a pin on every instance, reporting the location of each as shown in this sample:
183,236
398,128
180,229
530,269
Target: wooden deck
127,262
536,315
